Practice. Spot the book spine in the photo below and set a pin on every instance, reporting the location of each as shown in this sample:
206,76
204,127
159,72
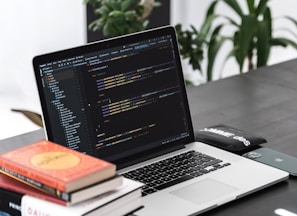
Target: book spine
37,176
10,202
32,206
31,182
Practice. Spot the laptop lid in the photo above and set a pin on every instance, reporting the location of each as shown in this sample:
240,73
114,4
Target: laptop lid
118,98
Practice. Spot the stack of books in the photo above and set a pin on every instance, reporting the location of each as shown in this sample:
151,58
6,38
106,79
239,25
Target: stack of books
48,179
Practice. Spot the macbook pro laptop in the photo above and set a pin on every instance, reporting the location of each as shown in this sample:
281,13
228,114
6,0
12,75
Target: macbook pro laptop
124,100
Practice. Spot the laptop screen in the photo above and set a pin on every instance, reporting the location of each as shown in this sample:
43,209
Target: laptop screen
115,98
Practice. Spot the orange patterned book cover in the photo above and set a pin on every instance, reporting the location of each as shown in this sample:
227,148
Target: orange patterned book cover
47,165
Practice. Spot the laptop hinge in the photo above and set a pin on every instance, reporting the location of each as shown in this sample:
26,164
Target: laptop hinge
152,153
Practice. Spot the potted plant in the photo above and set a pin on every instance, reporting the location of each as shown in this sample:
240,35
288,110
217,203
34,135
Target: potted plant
252,38
119,17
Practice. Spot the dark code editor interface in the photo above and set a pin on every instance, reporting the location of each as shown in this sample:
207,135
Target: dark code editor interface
122,99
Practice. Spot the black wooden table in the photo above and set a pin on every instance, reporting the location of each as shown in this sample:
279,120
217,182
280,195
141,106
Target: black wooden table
263,102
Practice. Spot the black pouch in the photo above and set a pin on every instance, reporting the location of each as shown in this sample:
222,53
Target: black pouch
229,138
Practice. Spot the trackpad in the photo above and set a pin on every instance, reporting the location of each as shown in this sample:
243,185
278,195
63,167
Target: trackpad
204,191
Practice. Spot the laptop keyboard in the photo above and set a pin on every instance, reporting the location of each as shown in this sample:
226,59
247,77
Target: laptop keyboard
173,170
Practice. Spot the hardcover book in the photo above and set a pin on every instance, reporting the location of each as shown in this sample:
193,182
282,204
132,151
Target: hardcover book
121,201
10,203
13,185
47,165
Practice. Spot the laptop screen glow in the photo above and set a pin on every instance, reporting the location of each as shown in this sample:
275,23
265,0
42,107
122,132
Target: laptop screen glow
114,99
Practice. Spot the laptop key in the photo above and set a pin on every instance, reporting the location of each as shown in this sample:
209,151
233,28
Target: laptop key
213,162
176,169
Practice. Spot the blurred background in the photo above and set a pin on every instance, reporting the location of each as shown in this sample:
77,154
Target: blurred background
33,27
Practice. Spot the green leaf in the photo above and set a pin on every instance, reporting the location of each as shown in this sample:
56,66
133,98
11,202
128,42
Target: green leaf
283,42
264,35
107,29
103,10
263,43
262,6
294,22
115,14
114,4
216,32
131,15
291,19
205,27
178,28
215,44
289,29
191,46
213,50
268,19
277,42
109,4
129,4
211,8
235,6
231,21
251,6
245,37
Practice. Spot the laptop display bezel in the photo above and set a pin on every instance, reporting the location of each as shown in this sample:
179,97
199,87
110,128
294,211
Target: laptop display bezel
104,44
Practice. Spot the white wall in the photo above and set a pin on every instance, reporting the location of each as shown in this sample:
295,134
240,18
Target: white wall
29,28
192,12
